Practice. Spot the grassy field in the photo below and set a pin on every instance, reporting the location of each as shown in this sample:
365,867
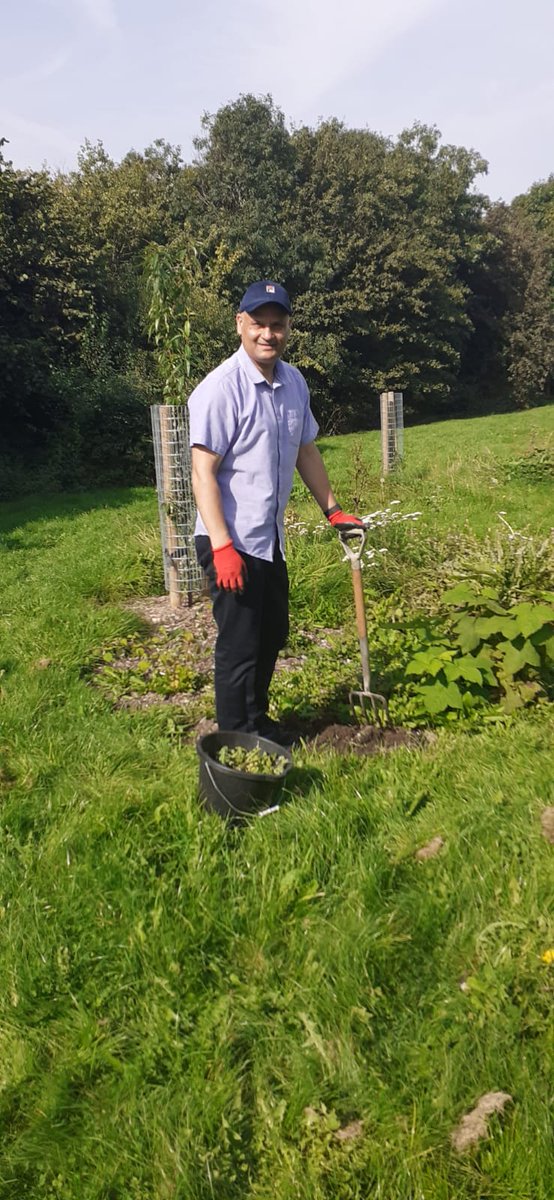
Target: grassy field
301,1010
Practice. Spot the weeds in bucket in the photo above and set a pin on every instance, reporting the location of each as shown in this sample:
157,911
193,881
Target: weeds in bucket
253,761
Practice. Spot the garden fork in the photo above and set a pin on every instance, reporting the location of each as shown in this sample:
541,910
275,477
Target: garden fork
373,705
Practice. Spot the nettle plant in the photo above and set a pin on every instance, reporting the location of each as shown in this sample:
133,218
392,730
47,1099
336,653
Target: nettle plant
485,653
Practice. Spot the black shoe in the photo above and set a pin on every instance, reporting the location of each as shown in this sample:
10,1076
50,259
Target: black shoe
268,728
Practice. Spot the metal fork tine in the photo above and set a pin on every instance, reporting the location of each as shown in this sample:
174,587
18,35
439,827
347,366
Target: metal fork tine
373,706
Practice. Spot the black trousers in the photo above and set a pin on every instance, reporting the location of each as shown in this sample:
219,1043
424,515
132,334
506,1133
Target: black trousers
252,626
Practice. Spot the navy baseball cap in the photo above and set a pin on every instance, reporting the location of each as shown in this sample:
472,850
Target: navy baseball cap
264,292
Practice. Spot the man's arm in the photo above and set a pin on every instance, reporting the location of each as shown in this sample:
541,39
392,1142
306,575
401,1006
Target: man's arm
311,469
229,566
205,465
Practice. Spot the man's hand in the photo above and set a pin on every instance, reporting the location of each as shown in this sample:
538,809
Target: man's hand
230,568
343,522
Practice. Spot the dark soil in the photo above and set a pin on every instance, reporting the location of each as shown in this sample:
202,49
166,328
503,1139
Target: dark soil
367,739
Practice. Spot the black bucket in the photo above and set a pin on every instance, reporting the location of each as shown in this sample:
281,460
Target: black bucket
236,795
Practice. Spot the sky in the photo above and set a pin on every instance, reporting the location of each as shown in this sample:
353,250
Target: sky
126,72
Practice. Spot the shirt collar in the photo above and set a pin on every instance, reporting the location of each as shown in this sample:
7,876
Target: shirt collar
255,376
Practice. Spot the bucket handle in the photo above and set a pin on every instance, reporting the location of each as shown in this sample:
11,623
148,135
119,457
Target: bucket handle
238,812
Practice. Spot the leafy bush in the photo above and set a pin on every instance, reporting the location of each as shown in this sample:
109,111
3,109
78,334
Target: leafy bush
484,654
519,566
15,477
105,435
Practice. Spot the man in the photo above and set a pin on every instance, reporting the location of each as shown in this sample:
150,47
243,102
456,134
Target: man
250,426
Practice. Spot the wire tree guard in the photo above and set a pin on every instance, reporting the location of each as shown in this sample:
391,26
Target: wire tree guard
392,429
182,572
171,275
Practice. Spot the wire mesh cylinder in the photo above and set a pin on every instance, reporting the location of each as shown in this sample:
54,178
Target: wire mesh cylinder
392,429
170,430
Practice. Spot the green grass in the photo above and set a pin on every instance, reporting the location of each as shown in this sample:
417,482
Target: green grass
454,471
173,995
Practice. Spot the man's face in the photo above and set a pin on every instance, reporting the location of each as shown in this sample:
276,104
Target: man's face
264,333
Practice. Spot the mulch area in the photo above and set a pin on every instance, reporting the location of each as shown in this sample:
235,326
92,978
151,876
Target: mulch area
322,732
157,611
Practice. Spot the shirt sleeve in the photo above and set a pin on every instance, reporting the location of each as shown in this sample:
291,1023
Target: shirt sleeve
212,416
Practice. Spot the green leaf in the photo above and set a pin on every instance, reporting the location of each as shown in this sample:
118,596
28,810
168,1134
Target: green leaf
529,689
512,700
464,668
463,593
437,697
425,662
484,662
497,608
531,617
436,666
468,638
434,698
488,626
515,659
547,646
455,699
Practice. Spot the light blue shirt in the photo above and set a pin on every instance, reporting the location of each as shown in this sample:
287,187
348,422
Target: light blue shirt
258,428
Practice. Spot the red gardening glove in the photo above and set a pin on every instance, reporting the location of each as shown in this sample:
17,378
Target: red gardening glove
230,568
343,522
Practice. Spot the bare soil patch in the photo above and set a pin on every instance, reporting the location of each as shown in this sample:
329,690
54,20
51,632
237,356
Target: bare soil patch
157,611
368,739
474,1125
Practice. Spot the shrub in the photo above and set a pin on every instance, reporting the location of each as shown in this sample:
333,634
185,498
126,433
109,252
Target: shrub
484,654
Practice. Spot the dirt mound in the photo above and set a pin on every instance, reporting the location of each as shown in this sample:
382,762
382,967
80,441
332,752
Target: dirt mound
369,739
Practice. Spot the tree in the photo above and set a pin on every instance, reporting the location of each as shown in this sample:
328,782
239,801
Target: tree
538,206
382,234
511,352
244,174
43,303
116,210
76,372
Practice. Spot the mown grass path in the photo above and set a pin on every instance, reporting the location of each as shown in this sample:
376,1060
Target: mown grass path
191,1013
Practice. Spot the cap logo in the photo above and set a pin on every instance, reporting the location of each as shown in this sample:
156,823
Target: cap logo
270,288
